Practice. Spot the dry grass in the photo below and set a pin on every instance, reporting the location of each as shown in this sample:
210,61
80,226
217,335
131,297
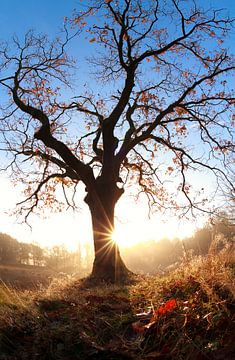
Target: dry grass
26,277
77,319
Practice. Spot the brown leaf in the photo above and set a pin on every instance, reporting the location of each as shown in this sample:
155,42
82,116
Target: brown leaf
138,327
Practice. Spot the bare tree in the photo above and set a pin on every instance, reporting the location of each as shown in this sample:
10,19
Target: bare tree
166,76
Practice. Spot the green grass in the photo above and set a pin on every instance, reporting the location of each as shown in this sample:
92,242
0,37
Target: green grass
188,314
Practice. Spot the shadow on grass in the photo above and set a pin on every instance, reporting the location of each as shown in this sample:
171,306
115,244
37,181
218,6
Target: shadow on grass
80,320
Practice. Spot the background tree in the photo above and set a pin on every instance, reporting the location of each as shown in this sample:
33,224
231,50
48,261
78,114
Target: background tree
164,84
200,243
37,255
58,258
8,249
24,253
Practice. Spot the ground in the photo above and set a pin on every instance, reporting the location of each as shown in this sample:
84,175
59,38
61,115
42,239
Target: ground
186,315
26,276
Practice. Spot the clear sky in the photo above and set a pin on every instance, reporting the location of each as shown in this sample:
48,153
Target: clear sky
46,16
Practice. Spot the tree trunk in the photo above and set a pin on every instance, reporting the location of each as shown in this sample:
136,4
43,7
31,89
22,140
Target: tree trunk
108,264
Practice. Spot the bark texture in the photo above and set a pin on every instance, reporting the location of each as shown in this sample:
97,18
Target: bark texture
108,264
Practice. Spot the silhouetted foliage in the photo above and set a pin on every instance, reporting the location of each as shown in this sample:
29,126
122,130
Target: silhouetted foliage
9,248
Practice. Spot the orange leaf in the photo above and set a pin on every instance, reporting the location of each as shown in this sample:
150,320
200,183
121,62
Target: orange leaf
168,306
180,110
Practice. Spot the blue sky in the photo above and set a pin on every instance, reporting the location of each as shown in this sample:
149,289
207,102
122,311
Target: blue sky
47,16
44,16
18,16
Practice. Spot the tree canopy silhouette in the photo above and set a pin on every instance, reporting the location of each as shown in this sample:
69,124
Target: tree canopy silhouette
163,84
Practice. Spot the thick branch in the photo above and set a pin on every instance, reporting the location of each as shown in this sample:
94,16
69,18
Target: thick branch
84,171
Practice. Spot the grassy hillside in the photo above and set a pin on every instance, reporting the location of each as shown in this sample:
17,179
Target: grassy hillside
26,276
188,314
